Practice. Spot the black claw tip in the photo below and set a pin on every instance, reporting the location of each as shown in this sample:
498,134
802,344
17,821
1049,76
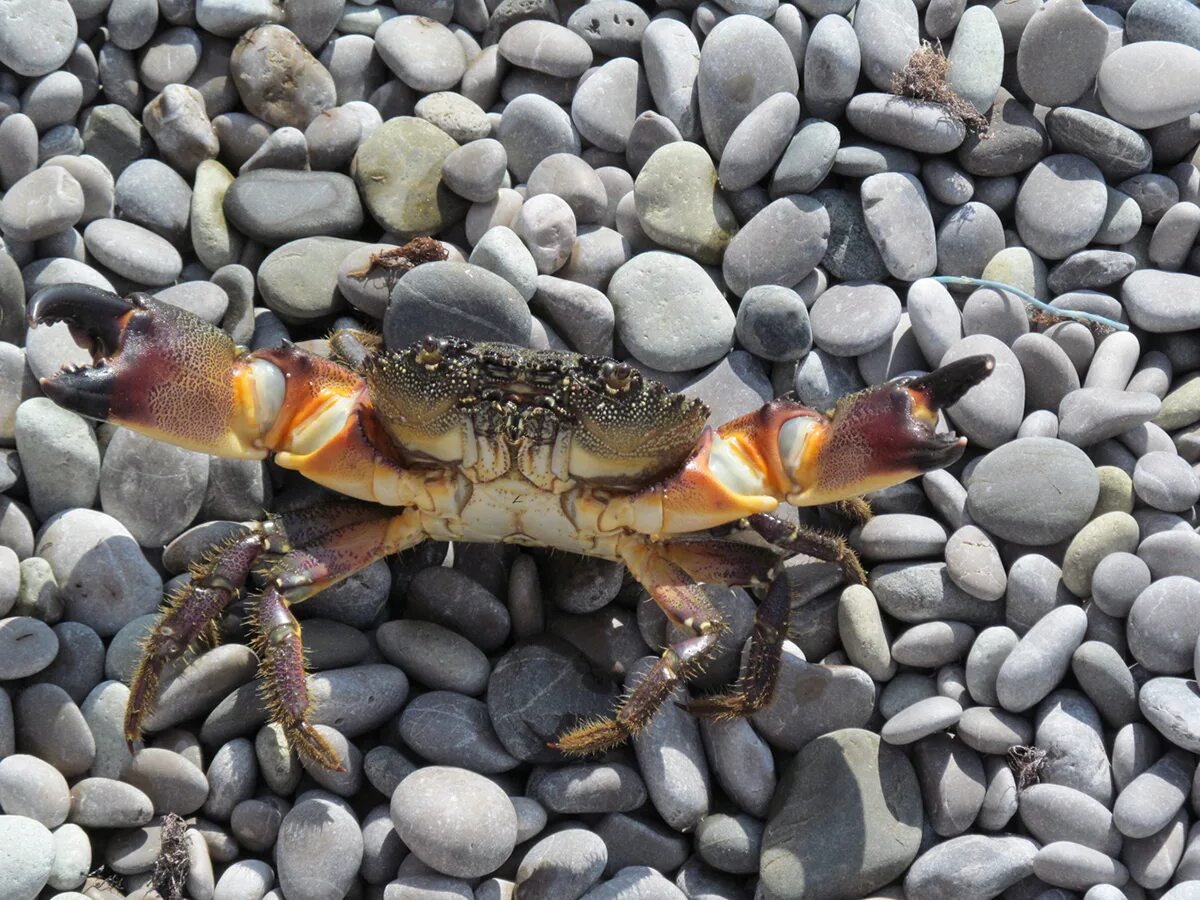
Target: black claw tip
946,386
87,309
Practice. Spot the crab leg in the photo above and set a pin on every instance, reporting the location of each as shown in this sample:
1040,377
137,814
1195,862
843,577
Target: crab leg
685,603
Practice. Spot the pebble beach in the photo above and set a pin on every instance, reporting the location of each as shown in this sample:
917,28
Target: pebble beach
741,198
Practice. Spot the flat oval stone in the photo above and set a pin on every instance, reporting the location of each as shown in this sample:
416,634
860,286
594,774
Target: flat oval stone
563,864
133,251
38,37
1071,865
1164,624
455,298
1060,52
1044,468
29,646
929,645
107,803
904,122
40,204
29,852
1118,151
455,821
780,245
319,849
758,141
1172,706
1103,675
887,37
1110,533
1056,812
900,223
900,536
923,718
546,47
850,319
974,563
1162,301
812,700
976,58
1040,660
669,313
1093,414
979,863
923,592
1150,83
422,52
278,79
1061,205
1148,803
992,730
452,730
679,204
279,205
844,786
1017,140
33,788
732,83
952,782
170,780
990,413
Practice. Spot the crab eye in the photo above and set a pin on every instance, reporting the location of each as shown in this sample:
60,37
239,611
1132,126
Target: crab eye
616,376
430,351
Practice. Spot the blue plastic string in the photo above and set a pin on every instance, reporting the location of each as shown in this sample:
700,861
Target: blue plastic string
1031,300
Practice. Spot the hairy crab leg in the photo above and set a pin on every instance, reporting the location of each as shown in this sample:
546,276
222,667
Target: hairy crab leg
685,603
811,542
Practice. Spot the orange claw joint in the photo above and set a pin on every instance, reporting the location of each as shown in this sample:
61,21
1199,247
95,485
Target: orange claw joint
878,437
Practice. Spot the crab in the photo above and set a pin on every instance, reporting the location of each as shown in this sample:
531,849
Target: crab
452,440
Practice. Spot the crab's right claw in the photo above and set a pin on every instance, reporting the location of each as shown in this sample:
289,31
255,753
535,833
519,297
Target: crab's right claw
156,369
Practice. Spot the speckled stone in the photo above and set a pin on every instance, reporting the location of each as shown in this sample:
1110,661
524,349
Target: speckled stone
680,205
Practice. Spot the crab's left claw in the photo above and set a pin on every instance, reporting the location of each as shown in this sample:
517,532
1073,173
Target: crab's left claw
878,437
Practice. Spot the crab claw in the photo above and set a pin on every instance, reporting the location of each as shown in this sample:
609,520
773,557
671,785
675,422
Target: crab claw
156,369
879,437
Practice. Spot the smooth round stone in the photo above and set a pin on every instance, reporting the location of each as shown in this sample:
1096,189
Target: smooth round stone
28,858
969,238
758,141
1149,802
1164,624
932,644
453,730
606,104
588,788
1174,235
772,323
319,849
1166,481
974,564
1172,706
863,633
133,251
808,158
887,37
1118,151
779,246
812,700
79,665
38,37
151,193
546,47
669,313
133,460
992,730
679,204
952,782
434,656
278,79
1057,812
279,205
935,317
201,685
461,118
1060,52
852,255
455,298
976,57
1040,660
730,843
1070,865
1122,219
29,645
1086,269
107,803
991,412
1117,581
1058,488
1104,676
844,786
1049,373
922,592
476,170
1093,414
547,226
671,56
422,52
1069,729
564,864
398,170
1061,205
455,821
41,204
970,864
1017,140
101,589
732,83
52,727
832,62
898,219
33,788
299,280
904,122
850,319
1162,301
172,783
1150,83
900,536
532,128
1171,551
923,718
611,27
1154,193
1110,533
946,182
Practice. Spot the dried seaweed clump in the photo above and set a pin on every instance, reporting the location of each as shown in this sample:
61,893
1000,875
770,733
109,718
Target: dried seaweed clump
1026,764
171,867
924,78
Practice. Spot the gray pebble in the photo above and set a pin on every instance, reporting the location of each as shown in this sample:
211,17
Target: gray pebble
1147,804
30,646
533,128
850,319
1055,812
758,141
133,252
452,730
991,647
990,413
588,788
932,644
1164,623
952,782
33,788
319,849
974,863
278,205
913,124
968,238
780,245
1061,204
1070,731
898,219
29,848
40,204
1071,865
455,298
606,105
887,37
107,803
989,729
921,719
1090,415
1166,481
1155,194
812,700
1165,75
476,170
1161,301
1174,235
1040,660
671,55
832,62
172,783
40,36
974,564
1105,678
